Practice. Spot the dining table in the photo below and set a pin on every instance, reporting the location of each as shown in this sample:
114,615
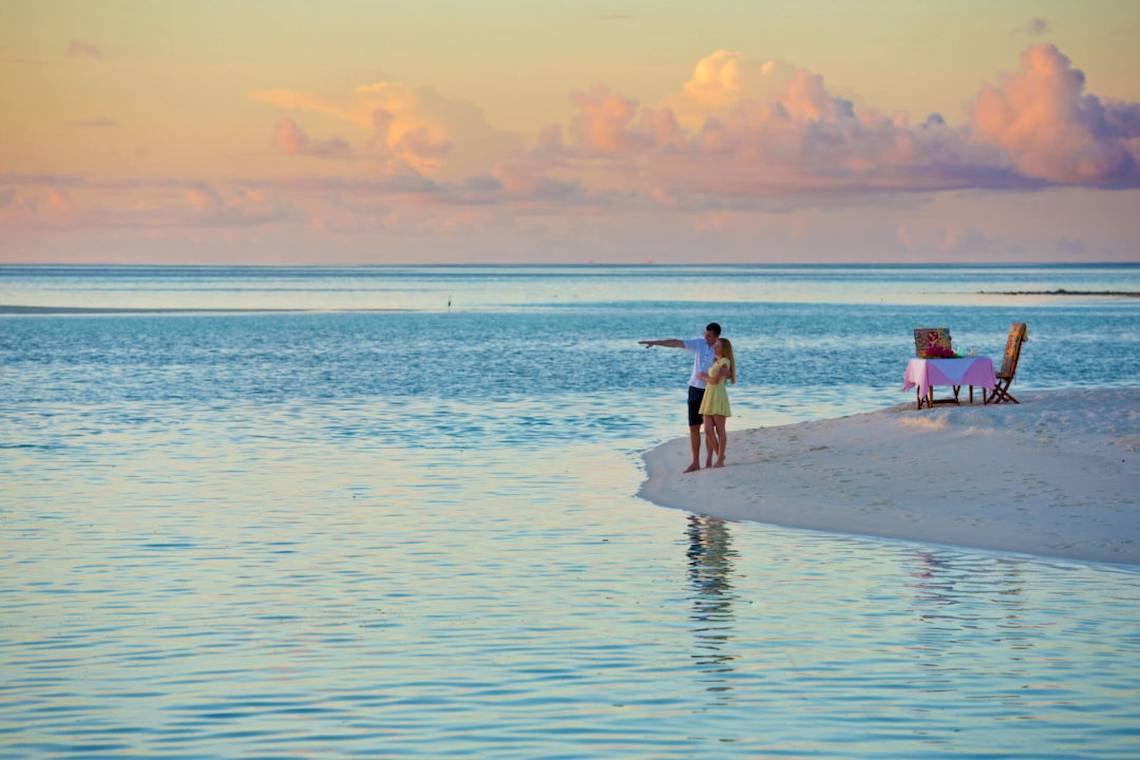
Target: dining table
924,374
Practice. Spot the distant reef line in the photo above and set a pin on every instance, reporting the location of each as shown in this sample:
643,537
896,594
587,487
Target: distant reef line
1062,292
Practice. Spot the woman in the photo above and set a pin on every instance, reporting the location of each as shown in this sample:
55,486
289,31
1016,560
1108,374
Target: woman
715,406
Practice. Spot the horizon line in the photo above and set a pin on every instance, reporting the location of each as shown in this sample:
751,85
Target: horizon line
576,264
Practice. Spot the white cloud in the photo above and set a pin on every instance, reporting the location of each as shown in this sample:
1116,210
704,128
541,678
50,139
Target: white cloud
404,125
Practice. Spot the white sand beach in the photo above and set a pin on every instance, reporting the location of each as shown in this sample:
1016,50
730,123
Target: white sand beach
1056,475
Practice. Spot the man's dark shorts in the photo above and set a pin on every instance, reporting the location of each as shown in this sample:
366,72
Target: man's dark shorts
696,395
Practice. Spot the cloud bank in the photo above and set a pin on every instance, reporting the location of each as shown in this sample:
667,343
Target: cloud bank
739,129
1034,128
758,155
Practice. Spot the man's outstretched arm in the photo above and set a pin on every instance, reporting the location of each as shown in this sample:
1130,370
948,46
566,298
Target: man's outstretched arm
670,342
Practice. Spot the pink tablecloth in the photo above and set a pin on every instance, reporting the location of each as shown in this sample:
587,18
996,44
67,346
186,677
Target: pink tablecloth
976,370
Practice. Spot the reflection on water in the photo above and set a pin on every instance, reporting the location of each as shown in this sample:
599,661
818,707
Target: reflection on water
956,599
710,557
225,580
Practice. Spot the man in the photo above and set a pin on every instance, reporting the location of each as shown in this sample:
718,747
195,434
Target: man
703,357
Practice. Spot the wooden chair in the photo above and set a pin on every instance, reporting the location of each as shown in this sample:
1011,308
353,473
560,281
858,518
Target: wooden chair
1018,334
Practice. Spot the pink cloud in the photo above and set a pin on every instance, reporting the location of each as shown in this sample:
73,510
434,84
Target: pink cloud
99,123
204,200
407,183
721,82
549,142
1052,130
526,183
291,141
41,205
806,100
802,138
237,207
82,49
604,122
64,202
406,126
423,147
528,176
1034,129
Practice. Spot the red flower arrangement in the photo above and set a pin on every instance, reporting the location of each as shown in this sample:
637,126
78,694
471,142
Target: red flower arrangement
940,352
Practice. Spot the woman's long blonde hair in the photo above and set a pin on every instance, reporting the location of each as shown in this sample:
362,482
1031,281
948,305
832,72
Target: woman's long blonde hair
726,350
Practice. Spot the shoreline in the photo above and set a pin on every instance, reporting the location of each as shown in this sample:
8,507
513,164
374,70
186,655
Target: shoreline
1057,475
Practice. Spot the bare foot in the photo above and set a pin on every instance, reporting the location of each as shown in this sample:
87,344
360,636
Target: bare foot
719,463
693,467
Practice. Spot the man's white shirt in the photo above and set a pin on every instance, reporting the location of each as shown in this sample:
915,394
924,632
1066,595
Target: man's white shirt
703,358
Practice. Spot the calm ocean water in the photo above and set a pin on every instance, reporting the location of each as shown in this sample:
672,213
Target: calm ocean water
386,526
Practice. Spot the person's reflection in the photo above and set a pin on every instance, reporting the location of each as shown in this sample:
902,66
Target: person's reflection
710,572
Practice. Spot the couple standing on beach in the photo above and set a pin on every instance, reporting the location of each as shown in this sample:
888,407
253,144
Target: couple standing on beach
713,365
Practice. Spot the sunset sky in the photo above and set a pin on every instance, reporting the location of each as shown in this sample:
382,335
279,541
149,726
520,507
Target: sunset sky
352,132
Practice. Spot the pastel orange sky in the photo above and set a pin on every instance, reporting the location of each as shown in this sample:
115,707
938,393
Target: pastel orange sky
353,132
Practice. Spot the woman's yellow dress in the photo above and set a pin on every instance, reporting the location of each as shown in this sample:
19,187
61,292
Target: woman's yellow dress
715,400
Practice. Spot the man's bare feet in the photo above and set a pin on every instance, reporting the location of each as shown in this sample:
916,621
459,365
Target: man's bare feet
719,463
693,467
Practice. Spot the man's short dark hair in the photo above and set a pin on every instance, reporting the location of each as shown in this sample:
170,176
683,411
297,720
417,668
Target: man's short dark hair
714,328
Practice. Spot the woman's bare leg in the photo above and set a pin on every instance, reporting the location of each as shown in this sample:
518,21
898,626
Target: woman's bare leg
721,439
711,444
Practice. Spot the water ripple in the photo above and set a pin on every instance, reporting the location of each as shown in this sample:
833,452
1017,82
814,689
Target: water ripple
260,536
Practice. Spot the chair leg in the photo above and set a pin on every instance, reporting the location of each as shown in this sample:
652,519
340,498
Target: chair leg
1001,393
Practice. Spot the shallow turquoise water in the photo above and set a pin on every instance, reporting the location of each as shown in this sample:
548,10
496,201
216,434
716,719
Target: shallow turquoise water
415,533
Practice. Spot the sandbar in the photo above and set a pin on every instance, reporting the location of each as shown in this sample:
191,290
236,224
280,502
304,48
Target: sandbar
1057,475
14,309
